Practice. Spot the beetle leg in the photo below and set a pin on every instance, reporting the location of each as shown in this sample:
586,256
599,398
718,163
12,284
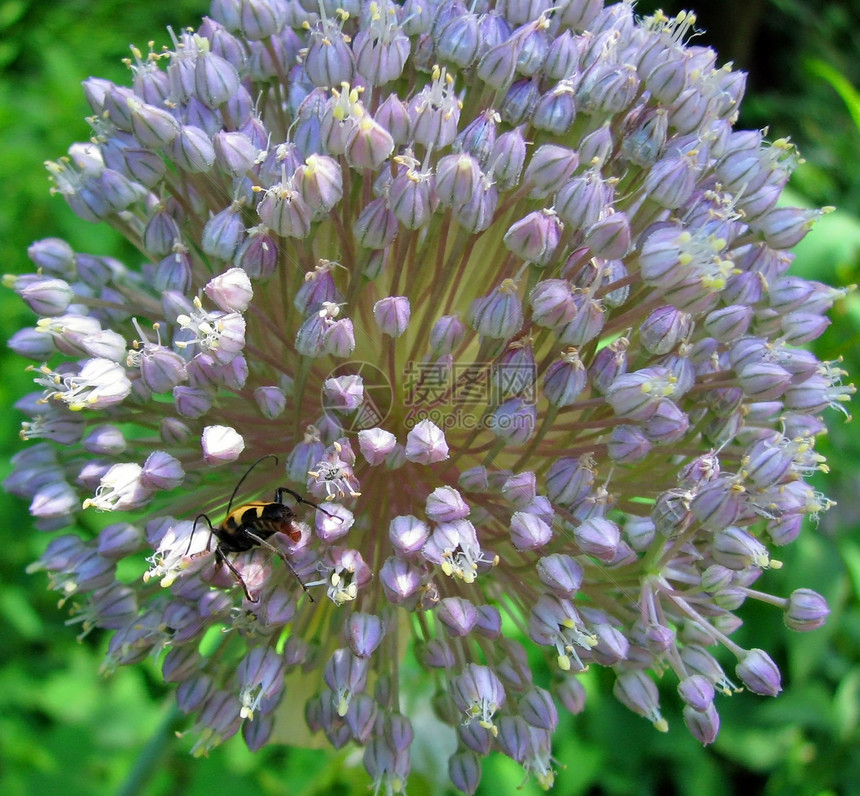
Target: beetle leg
221,558
280,554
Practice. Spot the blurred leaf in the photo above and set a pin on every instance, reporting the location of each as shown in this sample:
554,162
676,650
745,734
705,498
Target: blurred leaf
851,556
840,84
18,613
846,705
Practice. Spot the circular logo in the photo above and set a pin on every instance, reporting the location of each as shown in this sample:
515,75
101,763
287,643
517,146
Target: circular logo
378,396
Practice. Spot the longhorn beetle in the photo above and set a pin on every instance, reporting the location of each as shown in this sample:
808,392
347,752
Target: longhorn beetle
251,524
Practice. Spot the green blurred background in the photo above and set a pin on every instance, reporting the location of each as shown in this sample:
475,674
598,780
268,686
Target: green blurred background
65,729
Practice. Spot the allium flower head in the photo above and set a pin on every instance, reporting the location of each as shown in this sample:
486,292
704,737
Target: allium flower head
507,295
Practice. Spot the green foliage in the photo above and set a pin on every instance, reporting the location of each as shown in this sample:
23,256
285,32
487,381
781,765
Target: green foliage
64,728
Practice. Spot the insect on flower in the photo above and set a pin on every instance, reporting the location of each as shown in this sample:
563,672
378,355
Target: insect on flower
251,524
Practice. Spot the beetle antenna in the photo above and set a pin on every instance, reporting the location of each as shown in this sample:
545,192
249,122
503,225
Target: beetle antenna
194,530
279,498
247,473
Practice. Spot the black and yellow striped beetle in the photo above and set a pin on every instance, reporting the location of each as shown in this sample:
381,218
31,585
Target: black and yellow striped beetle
251,524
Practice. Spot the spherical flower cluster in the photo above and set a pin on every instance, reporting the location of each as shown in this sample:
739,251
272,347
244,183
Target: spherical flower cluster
507,297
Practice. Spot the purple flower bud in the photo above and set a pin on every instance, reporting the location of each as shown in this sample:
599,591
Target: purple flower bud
444,504
627,444
704,725
412,198
556,109
408,534
119,540
497,64
764,381
520,489
666,79
425,443
329,60
260,676
271,400
376,444
392,315
393,115
598,537
528,531
54,500
498,314
718,503
457,615
489,621
258,254
535,237
642,142
400,580
161,233
612,645
581,201
234,152
223,233
458,40
514,421
664,328
283,210
609,363
717,577
376,225
571,693
46,296
549,168
697,692
221,444
381,51
162,471
153,127
215,79
784,227
552,303
729,323
364,633
231,291
478,693
561,573
569,480
464,769
803,327
368,144
610,237
54,256
343,394
457,179
105,440
437,654
319,182
805,610
191,402
667,425
759,673
636,690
